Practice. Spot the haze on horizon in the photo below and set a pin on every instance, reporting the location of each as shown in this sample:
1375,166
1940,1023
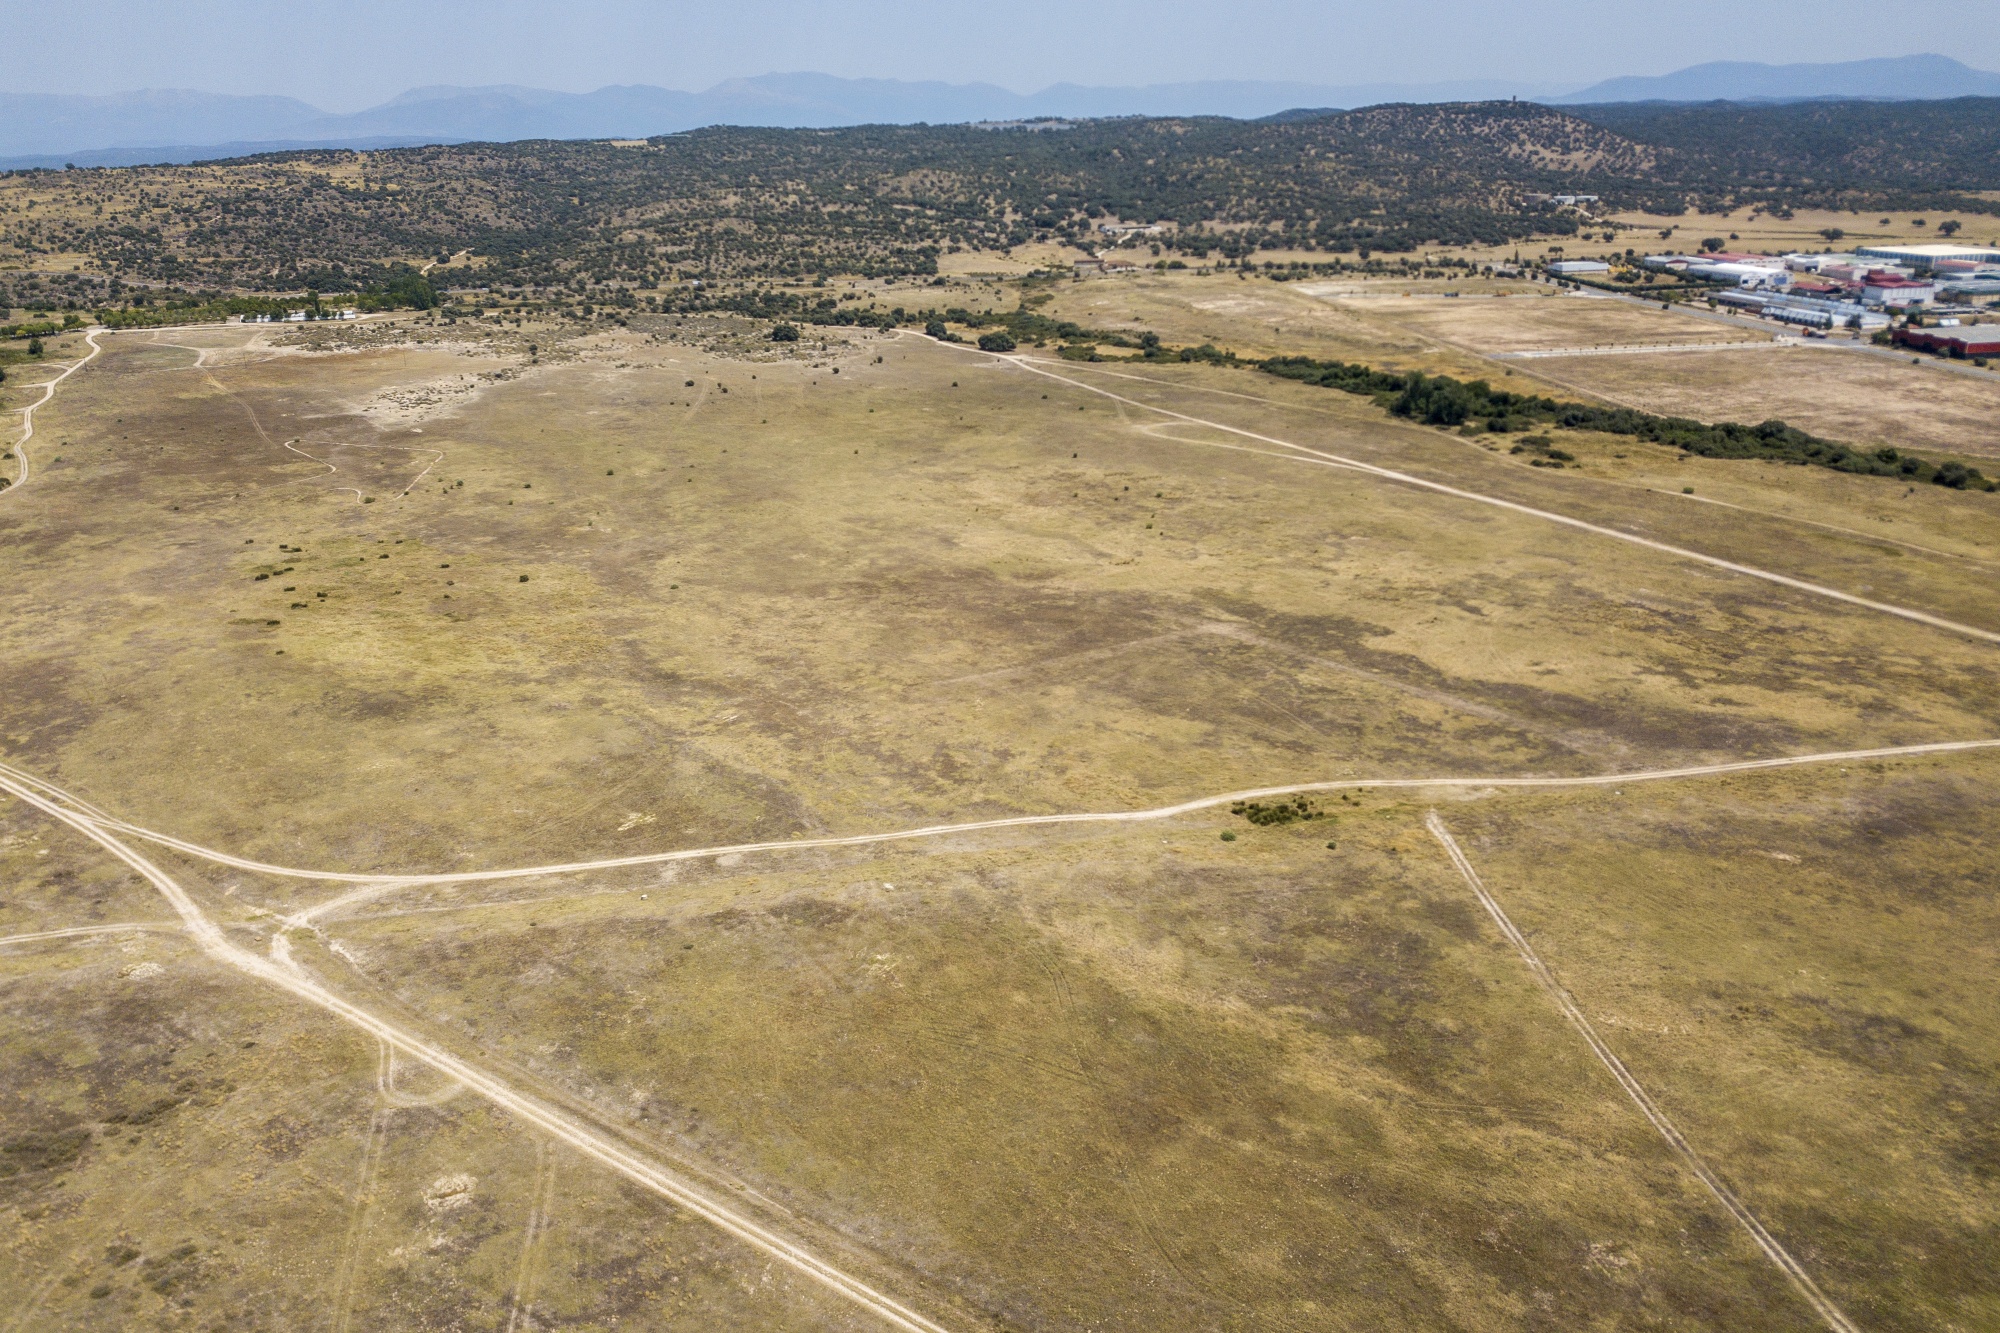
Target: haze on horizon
346,56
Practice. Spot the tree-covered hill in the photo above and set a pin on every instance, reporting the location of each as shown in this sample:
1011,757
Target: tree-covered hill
1910,153
873,199
728,202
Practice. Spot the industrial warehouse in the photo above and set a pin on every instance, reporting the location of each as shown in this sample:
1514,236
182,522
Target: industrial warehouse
1869,289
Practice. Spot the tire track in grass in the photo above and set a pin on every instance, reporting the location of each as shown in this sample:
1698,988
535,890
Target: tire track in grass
527,1276
1769,1244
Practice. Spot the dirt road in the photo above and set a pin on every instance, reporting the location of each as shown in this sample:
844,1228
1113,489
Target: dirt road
48,389
586,1139
1304,454
375,885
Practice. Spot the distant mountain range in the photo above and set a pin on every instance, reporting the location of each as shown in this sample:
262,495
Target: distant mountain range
47,130
158,126
1893,78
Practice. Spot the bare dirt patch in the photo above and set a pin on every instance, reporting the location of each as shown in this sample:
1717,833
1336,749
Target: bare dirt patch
1537,322
1850,396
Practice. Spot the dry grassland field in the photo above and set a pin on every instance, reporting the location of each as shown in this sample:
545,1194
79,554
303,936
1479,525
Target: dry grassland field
438,891
1626,352
1838,392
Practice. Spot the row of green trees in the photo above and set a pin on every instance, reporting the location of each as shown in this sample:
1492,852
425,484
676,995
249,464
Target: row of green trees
1440,400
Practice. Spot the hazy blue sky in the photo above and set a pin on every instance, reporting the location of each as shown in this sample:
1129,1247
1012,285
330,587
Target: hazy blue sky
347,54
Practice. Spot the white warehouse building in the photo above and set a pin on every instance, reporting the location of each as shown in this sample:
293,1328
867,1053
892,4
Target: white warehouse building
1919,258
1743,275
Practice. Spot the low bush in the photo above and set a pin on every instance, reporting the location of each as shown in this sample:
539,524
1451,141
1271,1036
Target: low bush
1265,814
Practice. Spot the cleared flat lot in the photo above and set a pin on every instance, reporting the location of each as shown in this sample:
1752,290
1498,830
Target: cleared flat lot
1841,395
1533,322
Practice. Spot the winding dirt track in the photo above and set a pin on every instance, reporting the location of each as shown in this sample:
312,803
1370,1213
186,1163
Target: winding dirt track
48,388
378,883
557,1124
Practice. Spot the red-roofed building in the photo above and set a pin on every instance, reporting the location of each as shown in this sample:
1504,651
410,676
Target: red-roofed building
1897,293
1978,340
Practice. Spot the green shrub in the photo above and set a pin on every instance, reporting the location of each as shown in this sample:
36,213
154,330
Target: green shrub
1265,814
995,342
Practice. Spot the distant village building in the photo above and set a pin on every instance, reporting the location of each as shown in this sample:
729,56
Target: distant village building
1568,266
